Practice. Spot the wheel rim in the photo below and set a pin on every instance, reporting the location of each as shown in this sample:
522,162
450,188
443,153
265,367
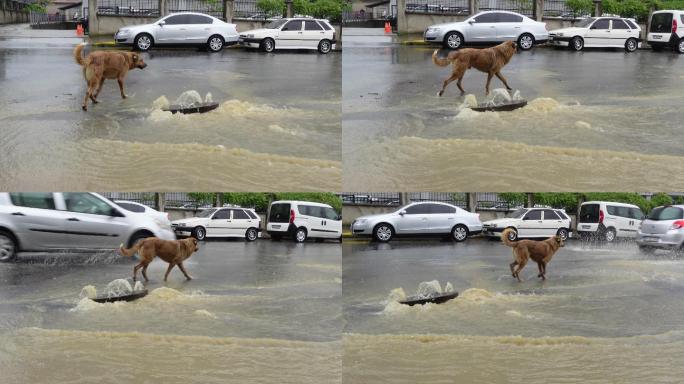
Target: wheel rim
681,46
563,234
6,248
526,42
512,236
578,44
268,45
454,41
144,42
610,236
384,233
631,45
251,234
460,233
215,44
325,46
200,234
301,236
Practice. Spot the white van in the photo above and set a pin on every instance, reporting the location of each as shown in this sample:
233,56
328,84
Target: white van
608,220
303,219
666,30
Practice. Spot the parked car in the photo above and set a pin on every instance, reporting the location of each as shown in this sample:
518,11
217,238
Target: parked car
599,32
608,220
135,207
489,27
187,28
301,220
220,222
78,221
531,223
292,33
420,219
667,30
663,228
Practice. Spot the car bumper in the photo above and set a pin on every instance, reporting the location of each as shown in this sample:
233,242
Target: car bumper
124,39
166,234
667,240
433,37
280,229
492,232
361,229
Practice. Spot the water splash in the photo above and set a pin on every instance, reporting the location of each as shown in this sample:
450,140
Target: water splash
118,287
88,292
429,289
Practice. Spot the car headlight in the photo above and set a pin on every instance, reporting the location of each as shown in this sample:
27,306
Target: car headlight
559,34
124,32
250,35
432,30
492,225
360,221
179,224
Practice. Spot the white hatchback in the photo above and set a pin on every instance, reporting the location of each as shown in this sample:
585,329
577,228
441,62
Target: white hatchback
530,223
294,33
598,32
220,222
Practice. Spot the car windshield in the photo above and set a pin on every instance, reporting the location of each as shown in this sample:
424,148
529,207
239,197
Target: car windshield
206,213
585,23
666,213
275,24
518,213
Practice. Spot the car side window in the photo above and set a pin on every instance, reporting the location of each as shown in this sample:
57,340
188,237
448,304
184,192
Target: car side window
601,24
550,215
175,20
223,214
635,213
41,200
631,24
295,25
329,213
131,207
533,215
509,18
441,208
417,209
325,25
251,214
198,19
619,24
311,25
612,210
81,202
240,214
487,18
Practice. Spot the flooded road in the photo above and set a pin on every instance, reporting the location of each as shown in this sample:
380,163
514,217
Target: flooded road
270,120
602,119
606,314
254,313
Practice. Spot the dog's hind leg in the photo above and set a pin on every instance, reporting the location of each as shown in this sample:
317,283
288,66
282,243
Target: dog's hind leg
521,265
144,272
541,271
97,93
121,87
135,271
446,82
489,80
503,80
512,265
182,268
168,270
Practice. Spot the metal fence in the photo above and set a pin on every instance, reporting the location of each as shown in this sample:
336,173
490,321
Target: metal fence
445,7
381,198
492,201
142,8
146,198
214,8
458,199
558,8
36,18
524,7
247,9
10,5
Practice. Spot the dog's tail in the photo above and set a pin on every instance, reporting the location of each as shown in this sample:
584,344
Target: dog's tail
505,239
78,56
132,250
440,61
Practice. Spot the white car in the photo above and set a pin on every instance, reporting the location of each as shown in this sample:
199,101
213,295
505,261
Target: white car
608,220
135,207
667,30
220,222
293,33
489,27
74,221
419,219
300,220
599,32
530,223
187,28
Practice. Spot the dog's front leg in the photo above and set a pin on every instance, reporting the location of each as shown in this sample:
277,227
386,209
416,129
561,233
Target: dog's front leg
168,270
182,268
489,80
503,80
121,88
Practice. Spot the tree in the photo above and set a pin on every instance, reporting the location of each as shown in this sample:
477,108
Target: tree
201,198
660,199
580,7
271,7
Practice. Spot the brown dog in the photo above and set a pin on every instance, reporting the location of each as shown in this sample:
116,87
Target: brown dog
101,65
488,60
539,251
173,252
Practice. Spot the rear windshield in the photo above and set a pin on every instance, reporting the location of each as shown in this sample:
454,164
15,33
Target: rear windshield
280,213
589,213
251,214
206,213
661,23
517,213
666,213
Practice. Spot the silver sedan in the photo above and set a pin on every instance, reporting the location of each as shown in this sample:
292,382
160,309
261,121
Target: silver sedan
489,27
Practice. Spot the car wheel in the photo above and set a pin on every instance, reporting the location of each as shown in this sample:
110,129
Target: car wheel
267,45
646,250
199,233
631,45
610,235
577,44
563,233
251,234
137,237
526,41
339,239
215,43
383,232
324,46
300,235
513,235
453,40
143,42
8,247
459,233
680,46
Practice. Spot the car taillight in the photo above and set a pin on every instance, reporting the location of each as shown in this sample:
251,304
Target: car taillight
292,216
677,224
601,216
674,25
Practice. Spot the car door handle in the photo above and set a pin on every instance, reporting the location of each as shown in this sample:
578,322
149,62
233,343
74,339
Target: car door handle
18,214
300,32
73,219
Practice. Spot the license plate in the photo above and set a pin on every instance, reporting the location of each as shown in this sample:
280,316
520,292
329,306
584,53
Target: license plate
657,37
586,226
650,239
276,227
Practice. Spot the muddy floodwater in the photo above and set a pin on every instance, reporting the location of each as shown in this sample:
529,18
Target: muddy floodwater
270,120
596,120
606,314
255,313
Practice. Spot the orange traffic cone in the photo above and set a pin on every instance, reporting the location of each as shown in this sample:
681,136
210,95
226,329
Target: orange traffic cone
79,30
388,27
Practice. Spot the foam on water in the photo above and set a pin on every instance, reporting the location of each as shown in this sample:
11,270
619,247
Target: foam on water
429,289
205,313
118,287
88,292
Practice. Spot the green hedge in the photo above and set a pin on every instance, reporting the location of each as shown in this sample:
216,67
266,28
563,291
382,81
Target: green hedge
322,9
260,200
570,201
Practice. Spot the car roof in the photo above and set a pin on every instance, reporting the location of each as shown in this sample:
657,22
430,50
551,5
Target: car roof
129,202
610,202
502,11
191,13
432,202
297,202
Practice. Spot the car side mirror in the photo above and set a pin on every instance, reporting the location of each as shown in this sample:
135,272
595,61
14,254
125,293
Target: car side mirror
339,217
471,22
402,212
162,23
116,213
